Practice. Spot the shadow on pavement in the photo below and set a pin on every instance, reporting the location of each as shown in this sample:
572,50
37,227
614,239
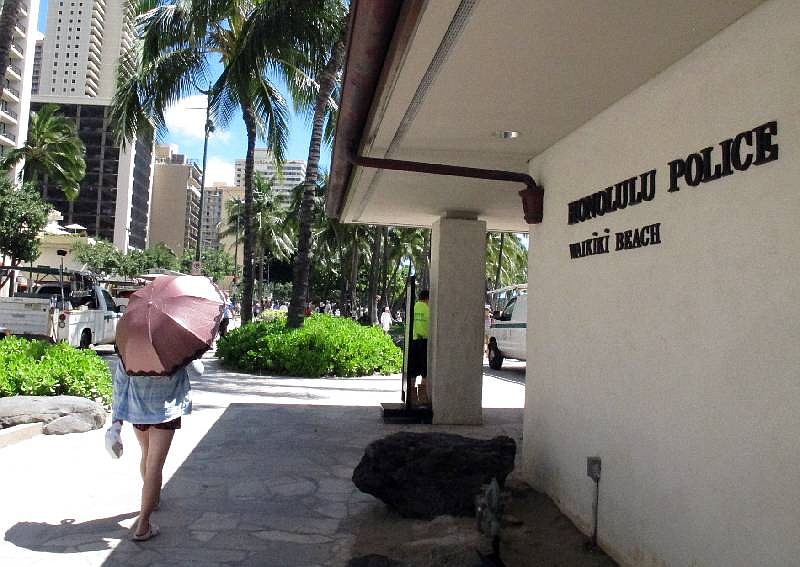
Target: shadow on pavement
69,536
515,374
271,485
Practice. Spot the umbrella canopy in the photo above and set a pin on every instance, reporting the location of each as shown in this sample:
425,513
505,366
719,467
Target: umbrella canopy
168,323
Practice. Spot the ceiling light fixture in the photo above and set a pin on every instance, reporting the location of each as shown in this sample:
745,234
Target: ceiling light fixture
507,134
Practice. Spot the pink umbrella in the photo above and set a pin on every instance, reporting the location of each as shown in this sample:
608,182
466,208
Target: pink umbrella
169,323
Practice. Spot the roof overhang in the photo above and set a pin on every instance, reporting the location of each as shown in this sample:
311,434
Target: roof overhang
436,81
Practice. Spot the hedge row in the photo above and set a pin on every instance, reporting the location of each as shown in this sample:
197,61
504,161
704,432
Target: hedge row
325,345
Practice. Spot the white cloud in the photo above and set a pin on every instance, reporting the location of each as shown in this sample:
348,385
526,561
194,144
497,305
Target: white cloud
187,117
219,169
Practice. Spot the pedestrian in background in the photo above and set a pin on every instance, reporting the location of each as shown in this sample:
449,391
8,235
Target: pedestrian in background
386,320
418,349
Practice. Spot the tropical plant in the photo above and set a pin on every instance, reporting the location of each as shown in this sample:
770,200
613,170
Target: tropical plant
53,149
254,41
33,368
273,234
99,257
506,259
23,214
325,345
327,73
216,264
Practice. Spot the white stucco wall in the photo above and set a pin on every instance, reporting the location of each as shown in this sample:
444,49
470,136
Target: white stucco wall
677,364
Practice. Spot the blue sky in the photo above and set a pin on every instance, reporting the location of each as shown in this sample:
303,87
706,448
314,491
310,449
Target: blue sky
186,130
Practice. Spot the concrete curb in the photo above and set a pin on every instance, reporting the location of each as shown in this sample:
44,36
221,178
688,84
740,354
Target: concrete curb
17,433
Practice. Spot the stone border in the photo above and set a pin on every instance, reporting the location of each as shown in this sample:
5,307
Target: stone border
17,433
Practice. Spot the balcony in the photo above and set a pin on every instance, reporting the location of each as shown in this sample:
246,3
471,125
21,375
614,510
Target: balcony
19,32
8,115
11,93
8,136
14,72
17,49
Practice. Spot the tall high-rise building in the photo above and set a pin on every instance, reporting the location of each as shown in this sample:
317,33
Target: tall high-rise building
83,42
216,201
16,95
175,218
294,172
37,63
80,52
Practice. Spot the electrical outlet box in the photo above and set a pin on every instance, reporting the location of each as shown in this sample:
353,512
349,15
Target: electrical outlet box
593,468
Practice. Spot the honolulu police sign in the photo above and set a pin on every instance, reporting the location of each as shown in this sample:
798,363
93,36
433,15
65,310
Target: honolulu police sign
749,148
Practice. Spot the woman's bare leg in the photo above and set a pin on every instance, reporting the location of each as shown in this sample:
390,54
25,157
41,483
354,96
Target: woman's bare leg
142,437
159,441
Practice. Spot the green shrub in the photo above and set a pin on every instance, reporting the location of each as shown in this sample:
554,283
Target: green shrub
34,368
271,314
325,345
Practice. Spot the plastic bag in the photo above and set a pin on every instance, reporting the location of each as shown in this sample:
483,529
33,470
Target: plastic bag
114,440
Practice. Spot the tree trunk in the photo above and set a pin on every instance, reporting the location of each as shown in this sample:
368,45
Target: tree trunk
385,266
499,261
8,19
261,279
327,83
249,235
374,274
424,271
354,258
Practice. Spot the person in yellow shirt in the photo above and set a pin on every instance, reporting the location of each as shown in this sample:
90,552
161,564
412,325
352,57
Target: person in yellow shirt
418,350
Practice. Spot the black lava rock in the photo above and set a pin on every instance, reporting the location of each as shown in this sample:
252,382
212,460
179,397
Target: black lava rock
424,475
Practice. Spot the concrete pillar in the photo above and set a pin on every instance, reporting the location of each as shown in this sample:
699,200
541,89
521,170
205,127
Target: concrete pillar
455,343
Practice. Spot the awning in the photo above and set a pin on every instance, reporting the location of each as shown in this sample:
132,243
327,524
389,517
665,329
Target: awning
444,82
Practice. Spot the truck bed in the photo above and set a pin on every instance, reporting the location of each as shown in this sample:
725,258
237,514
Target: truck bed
27,316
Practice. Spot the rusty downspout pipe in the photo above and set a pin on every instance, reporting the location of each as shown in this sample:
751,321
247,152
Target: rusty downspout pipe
532,196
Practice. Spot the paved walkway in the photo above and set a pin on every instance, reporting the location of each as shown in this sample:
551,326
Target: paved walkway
259,475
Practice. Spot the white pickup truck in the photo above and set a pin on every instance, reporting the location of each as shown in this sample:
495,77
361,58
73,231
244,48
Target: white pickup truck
88,314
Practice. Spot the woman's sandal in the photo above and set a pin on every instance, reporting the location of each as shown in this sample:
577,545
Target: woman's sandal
151,532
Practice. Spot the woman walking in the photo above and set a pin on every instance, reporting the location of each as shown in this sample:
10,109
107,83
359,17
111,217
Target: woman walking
168,325
154,405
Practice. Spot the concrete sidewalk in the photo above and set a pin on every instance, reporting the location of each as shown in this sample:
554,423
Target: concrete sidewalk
260,474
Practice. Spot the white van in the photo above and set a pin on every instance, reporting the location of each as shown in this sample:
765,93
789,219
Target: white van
507,333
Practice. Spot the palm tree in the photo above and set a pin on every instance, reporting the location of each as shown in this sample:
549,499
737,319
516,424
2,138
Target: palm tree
506,259
253,40
54,149
273,235
323,108
8,19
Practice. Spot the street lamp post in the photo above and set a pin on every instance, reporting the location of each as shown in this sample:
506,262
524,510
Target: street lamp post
209,127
